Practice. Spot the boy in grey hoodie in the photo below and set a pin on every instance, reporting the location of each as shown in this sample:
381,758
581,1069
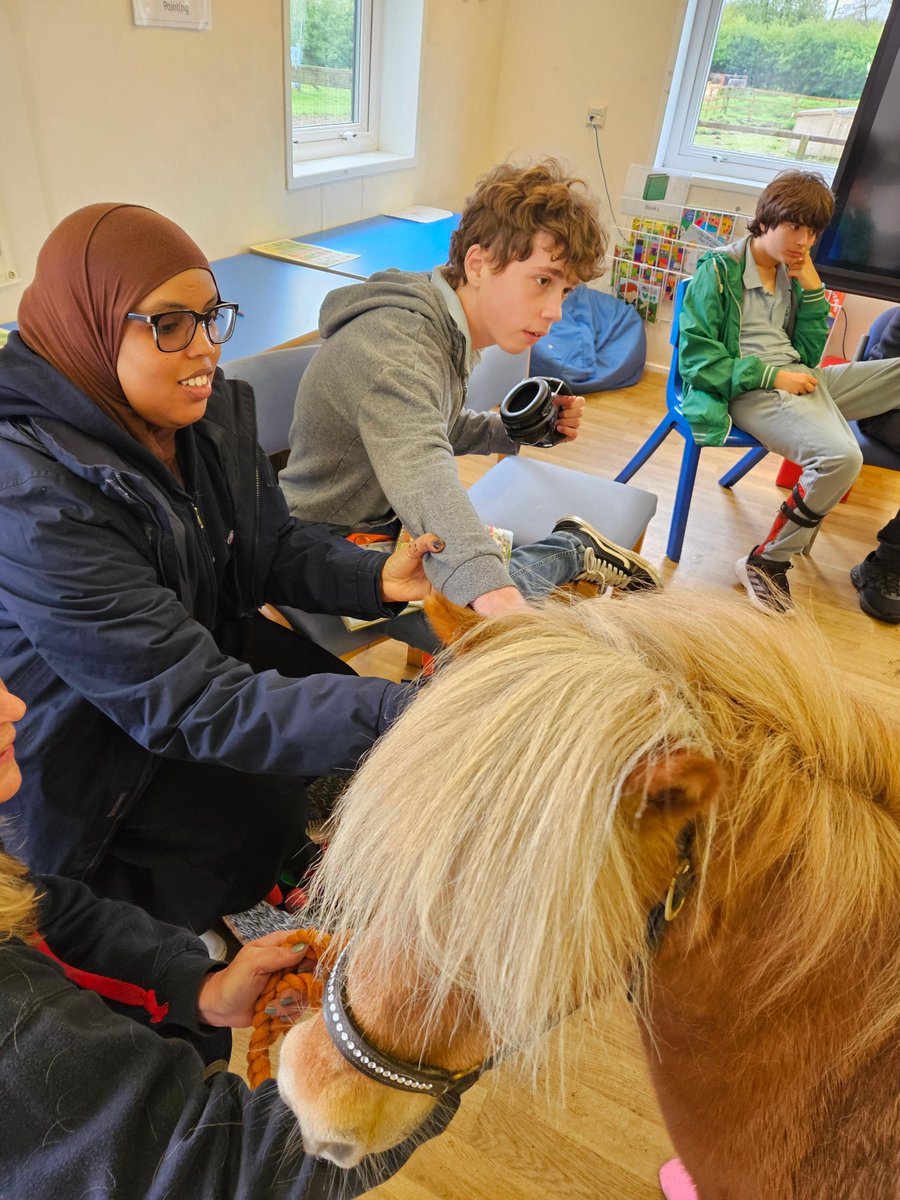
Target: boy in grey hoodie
381,409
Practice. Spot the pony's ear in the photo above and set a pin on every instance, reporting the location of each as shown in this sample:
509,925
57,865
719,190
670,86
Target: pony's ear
679,784
447,619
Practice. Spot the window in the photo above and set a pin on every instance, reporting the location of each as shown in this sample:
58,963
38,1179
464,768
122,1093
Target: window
761,85
330,57
351,86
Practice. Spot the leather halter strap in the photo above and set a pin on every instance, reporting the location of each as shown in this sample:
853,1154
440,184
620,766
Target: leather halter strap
679,889
351,1042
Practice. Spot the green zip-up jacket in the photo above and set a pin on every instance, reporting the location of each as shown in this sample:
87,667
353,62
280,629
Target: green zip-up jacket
709,341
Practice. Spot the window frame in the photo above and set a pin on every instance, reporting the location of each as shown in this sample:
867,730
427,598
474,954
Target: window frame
345,137
384,136
675,151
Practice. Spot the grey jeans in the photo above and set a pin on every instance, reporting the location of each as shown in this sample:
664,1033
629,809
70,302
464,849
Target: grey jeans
812,431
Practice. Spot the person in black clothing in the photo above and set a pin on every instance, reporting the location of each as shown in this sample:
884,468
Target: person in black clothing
877,577
143,528
127,1098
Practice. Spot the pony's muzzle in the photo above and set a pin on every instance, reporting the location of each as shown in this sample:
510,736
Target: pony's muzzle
342,1154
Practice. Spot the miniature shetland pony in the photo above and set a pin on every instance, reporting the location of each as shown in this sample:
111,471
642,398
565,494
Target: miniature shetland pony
495,861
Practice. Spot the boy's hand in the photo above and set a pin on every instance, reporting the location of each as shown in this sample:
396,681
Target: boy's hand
499,601
227,998
798,383
801,268
404,575
571,409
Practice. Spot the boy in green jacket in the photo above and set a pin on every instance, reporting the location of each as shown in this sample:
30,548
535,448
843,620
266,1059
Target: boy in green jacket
753,327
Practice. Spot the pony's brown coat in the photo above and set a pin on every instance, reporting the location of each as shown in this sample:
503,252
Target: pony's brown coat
503,844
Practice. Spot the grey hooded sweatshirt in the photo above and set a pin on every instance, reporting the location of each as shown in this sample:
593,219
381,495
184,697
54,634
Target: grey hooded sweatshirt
379,416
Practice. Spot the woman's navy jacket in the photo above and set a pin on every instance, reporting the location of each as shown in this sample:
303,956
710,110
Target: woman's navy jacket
112,576
97,1104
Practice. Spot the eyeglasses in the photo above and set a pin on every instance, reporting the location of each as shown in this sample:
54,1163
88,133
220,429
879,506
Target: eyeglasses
173,331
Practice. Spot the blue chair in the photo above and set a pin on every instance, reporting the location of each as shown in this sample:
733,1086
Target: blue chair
690,457
874,334
878,453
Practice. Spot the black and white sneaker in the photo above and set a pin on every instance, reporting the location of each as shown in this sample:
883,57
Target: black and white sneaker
765,582
607,564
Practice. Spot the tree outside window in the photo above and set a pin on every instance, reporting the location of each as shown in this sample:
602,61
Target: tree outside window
325,83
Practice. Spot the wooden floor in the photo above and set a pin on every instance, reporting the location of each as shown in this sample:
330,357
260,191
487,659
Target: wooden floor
606,1141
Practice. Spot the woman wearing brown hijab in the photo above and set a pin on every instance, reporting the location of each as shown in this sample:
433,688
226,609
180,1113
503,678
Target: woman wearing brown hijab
170,728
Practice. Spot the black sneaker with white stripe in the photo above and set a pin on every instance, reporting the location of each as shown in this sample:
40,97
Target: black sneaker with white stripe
765,582
607,564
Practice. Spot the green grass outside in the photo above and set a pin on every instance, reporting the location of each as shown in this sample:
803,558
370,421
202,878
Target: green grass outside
321,105
771,110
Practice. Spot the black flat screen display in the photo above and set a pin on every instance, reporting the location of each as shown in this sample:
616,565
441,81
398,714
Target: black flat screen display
860,250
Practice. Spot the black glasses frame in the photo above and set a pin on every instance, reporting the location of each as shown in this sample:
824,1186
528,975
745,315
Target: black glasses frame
204,319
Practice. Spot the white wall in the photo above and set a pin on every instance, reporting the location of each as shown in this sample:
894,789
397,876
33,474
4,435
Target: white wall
559,59
90,107
94,108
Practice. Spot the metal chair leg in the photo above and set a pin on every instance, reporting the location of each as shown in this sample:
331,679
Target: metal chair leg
807,549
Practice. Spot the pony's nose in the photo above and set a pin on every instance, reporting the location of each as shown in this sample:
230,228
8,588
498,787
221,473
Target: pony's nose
342,1154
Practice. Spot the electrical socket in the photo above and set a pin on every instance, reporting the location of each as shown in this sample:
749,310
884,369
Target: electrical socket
596,116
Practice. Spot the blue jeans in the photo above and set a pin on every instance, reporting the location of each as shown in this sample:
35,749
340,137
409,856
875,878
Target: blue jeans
536,570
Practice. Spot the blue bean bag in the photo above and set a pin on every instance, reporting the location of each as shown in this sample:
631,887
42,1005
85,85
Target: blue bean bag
599,344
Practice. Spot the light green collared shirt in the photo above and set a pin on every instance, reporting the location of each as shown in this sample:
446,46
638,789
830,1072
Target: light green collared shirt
458,313
764,314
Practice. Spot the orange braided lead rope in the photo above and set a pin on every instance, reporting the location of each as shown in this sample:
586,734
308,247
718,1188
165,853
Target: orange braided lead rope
267,1028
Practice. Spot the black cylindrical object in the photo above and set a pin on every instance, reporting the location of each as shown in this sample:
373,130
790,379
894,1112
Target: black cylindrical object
528,411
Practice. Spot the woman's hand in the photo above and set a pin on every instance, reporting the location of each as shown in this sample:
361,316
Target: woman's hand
404,575
228,998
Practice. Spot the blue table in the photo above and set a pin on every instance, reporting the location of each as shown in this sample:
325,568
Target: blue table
279,302
383,242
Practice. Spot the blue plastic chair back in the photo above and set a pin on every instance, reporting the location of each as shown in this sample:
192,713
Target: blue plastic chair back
876,329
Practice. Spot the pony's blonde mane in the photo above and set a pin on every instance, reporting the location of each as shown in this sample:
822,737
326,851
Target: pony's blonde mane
482,843
18,899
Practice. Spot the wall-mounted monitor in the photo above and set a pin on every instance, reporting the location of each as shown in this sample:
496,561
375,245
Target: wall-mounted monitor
860,250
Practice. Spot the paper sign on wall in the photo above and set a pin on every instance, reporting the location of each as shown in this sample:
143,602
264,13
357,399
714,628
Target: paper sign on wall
174,14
